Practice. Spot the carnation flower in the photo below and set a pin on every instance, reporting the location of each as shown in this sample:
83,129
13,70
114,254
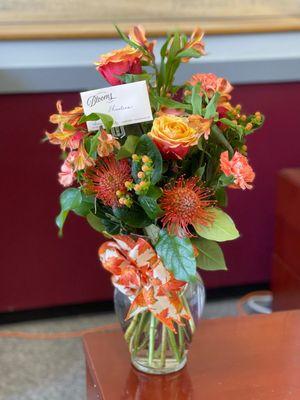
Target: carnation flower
120,62
186,202
239,168
211,84
108,178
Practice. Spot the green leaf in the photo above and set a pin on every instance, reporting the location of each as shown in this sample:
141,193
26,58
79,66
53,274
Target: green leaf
70,199
175,46
167,102
233,126
128,147
177,255
221,197
60,220
134,216
130,42
164,47
147,147
87,203
149,202
111,224
95,222
106,119
211,107
218,136
196,99
130,78
93,144
221,230
210,256
190,53
69,127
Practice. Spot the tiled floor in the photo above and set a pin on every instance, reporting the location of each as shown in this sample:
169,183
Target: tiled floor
54,369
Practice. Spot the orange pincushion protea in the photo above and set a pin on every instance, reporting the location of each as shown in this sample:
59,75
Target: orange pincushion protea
107,178
186,203
139,273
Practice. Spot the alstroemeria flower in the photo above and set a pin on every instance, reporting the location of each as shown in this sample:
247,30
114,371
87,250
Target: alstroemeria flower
107,144
239,168
71,117
119,62
211,84
139,273
66,176
200,124
81,158
195,42
173,136
138,36
66,138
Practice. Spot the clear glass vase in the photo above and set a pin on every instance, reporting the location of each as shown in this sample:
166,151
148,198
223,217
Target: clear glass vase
155,348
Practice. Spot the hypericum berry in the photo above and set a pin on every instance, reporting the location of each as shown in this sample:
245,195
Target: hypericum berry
129,185
146,168
141,174
135,157
119,193
249,126
146,159
243,117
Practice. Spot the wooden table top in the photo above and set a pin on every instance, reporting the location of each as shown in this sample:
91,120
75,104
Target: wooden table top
244,358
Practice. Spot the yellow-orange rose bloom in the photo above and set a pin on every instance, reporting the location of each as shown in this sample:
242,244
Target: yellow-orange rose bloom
173,136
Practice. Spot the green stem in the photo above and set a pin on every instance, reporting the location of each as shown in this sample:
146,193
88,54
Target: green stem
131,327
173,344
163,345
138,331
151,339
181,340
191,320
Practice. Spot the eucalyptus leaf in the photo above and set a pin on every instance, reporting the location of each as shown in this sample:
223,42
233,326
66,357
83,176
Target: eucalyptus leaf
221,230
210,257
177,255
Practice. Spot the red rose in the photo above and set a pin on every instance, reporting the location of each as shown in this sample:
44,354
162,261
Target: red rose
119,62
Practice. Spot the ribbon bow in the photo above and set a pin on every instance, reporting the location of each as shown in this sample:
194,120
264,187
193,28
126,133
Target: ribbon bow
139,273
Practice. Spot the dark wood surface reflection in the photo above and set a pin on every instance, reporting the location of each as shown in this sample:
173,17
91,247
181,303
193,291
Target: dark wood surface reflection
245,358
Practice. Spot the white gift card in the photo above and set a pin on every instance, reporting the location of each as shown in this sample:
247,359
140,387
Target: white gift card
127,104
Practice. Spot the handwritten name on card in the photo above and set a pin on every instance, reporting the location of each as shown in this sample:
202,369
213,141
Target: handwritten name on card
127,104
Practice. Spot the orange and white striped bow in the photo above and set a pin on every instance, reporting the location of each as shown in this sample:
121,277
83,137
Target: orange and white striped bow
139,273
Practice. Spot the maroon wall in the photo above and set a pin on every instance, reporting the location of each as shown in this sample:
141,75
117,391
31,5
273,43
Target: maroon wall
38,269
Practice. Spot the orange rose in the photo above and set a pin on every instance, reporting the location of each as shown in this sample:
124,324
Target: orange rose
173,136
119,62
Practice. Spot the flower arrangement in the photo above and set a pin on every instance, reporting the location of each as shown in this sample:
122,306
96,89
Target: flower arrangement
158,194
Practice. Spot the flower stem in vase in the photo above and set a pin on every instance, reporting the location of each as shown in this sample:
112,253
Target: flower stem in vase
181,340
152,331
173,344
139,330
130,330
191,320
163,345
